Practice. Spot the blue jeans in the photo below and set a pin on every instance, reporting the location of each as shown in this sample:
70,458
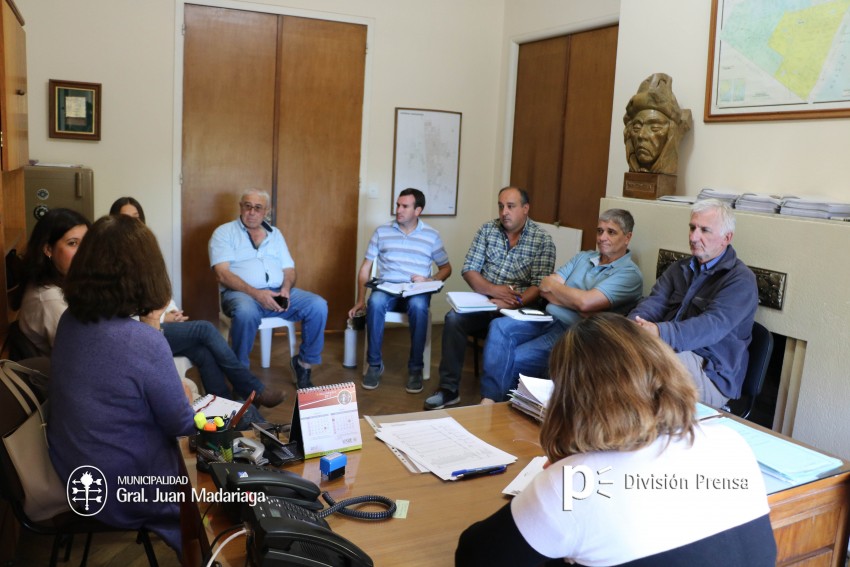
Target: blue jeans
456,331
200,342
246,313
416,307
515,347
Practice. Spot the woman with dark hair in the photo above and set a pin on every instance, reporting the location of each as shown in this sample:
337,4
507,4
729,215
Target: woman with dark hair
116,400
200,342
127,206
50,249
633,479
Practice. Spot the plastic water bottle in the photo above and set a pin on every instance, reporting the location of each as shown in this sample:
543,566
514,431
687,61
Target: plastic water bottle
349,357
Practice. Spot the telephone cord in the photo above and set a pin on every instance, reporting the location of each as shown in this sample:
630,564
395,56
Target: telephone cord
243,531
342,507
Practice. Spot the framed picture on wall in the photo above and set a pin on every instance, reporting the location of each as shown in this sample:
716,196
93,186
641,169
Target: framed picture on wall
427,157
775,61
74,110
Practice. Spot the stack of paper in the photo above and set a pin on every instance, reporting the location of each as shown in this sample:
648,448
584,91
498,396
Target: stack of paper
532,395
728,196
781,458
442,446
469,302
759,203
815,207
407,289
520,316
683,199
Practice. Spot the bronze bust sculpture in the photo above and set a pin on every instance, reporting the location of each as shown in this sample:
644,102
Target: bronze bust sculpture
655,124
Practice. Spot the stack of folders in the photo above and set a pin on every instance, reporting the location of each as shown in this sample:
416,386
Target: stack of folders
759,203
815,207
469,302
532,395
728,196
781,458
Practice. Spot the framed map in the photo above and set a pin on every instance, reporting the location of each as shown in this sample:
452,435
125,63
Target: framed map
427,157
778,60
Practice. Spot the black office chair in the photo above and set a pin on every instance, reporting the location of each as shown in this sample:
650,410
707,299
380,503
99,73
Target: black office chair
761,347
63,526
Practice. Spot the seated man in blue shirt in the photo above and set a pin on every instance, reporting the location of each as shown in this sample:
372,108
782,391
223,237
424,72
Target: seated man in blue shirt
255,271
704,306
590,282
404,250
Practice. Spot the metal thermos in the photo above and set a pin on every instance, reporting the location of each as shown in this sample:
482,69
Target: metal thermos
349,357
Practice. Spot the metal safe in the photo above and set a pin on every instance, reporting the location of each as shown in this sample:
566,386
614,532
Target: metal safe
52,187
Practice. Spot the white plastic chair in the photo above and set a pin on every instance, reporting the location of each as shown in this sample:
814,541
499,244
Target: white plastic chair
401,318
267,326
183,365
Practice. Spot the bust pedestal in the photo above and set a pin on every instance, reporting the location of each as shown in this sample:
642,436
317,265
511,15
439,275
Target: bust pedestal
648,185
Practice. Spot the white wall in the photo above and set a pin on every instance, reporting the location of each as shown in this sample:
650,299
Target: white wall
799,157
439,54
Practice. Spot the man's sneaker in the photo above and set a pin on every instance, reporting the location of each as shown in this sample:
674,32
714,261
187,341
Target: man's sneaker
414,382
269,397
300,375
441,398
373,376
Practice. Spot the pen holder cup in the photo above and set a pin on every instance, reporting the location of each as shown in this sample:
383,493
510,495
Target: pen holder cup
219,441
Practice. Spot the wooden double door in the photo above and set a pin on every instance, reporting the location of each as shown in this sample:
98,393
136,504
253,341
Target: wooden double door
275,103
562,126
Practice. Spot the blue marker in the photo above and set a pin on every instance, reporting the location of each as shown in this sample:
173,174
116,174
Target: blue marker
464,474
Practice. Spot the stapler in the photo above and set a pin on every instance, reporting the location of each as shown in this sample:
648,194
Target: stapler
250,450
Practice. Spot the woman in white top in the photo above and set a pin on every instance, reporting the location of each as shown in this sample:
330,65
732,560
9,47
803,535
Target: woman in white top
48,256
634,479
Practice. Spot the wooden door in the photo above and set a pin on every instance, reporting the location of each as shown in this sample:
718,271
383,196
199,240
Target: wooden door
228,128
562,126
322,65
541,98
587,130
275,103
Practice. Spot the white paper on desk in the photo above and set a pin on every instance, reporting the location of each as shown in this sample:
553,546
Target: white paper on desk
443,446
525,476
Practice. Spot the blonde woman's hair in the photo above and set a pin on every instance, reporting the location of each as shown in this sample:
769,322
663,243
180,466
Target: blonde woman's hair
617,388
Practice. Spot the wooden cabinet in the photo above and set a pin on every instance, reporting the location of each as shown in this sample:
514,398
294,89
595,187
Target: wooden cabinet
15,147
13,97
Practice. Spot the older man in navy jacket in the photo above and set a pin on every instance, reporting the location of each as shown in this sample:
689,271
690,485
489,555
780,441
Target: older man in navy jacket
704,306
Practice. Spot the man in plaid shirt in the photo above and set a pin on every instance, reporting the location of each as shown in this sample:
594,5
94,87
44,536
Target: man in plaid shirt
506,261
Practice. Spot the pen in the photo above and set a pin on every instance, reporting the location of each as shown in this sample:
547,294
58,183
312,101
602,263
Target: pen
463,474
235,421
516,295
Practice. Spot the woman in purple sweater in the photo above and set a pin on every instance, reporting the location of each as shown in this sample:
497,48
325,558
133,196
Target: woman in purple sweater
117,402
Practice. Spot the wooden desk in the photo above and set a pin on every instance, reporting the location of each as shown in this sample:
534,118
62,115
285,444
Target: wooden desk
810,521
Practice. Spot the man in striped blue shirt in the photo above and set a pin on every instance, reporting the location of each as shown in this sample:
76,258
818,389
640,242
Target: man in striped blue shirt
404,250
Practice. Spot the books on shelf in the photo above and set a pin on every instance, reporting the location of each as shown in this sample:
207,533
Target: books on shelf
406,289
520,316
326,419
532,395
469,302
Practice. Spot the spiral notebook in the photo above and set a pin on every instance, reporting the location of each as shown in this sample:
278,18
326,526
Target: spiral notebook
213,406
326,420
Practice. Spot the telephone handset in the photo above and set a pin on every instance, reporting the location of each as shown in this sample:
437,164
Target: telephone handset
285,534
240,477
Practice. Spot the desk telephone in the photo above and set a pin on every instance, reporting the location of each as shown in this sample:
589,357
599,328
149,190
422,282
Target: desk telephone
287,530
